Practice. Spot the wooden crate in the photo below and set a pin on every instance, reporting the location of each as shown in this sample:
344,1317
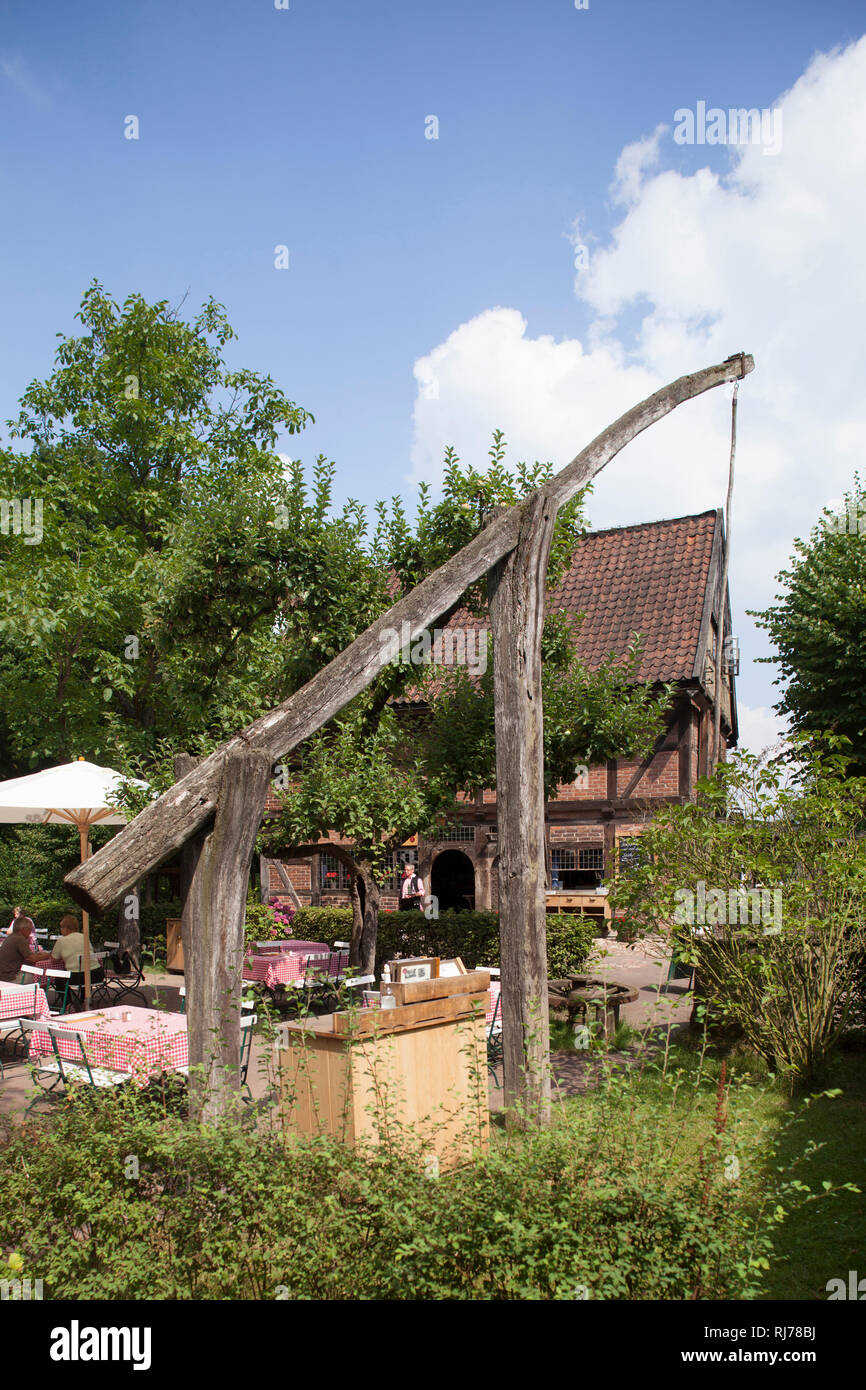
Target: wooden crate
423,1063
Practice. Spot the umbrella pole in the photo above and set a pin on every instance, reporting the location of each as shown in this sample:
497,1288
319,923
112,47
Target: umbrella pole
84,836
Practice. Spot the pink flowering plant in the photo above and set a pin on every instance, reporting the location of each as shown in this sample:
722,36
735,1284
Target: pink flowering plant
266,922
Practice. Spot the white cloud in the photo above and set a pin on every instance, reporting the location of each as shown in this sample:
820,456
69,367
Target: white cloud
633,164
766,256
760,728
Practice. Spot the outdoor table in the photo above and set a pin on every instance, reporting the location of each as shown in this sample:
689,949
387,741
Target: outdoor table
287,945
22,1001
495,991
147,1043
273,970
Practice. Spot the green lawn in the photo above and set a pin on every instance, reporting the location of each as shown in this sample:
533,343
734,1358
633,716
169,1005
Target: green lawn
820,1140
826,1239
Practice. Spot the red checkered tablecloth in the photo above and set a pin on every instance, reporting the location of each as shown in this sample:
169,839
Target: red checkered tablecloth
22,1001
145,1044
287,966
495,989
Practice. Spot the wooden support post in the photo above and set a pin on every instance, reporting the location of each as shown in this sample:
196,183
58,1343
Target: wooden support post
213,931
516,588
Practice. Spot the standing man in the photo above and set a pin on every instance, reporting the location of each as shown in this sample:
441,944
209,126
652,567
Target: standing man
411,889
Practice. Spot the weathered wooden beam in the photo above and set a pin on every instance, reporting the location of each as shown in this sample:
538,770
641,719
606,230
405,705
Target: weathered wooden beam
516,588
284,880
187,808
213,932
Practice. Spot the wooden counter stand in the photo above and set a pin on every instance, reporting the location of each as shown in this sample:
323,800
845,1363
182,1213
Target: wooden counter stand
360,1075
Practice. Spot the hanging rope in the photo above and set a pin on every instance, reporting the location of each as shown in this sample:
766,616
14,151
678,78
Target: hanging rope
717,683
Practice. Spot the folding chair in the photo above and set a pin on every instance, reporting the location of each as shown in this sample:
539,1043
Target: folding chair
75,988
495,1051
122,975
10,1028
358,981
247,1026
49,977
65,1071
338,963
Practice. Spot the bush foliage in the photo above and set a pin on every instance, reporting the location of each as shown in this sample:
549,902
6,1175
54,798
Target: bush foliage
610,1202
762,885
474,936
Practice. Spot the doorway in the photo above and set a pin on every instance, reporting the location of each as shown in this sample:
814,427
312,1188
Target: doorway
452,881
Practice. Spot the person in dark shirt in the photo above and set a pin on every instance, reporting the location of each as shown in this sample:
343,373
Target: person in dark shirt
15,950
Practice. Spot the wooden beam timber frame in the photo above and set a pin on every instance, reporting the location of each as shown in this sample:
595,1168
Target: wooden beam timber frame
516,588
188,809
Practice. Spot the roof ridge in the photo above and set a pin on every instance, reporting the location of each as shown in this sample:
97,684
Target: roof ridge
646,525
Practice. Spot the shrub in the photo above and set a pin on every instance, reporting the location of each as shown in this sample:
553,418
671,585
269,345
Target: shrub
474,936
322,924
610,1202
265,923
152,919
765,884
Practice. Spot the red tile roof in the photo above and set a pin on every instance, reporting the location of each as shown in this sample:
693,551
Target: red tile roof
649,579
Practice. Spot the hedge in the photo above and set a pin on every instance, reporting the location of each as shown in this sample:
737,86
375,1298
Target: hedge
474,936
535,1218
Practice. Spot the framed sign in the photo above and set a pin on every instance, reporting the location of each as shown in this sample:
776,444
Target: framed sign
415,968
451,967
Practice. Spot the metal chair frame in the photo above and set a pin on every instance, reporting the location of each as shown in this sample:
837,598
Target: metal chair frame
495,1053
115,984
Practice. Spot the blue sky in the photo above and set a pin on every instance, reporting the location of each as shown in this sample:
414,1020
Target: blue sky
305,127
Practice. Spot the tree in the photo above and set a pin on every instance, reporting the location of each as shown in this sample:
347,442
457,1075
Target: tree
373,778
818,629
589,715
185,579
368,786
760,884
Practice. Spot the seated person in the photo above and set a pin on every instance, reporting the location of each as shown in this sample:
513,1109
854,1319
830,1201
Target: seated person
17,914
69,948
15,950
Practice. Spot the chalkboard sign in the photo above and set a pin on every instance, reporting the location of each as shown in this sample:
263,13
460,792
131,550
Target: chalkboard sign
632,853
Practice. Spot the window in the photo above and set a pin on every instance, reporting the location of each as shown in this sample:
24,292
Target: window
399,857
577,868
335,877
463,833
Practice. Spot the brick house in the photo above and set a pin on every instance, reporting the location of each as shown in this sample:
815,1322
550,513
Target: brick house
660,579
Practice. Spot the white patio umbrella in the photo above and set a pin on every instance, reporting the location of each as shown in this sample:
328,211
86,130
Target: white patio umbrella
78,793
